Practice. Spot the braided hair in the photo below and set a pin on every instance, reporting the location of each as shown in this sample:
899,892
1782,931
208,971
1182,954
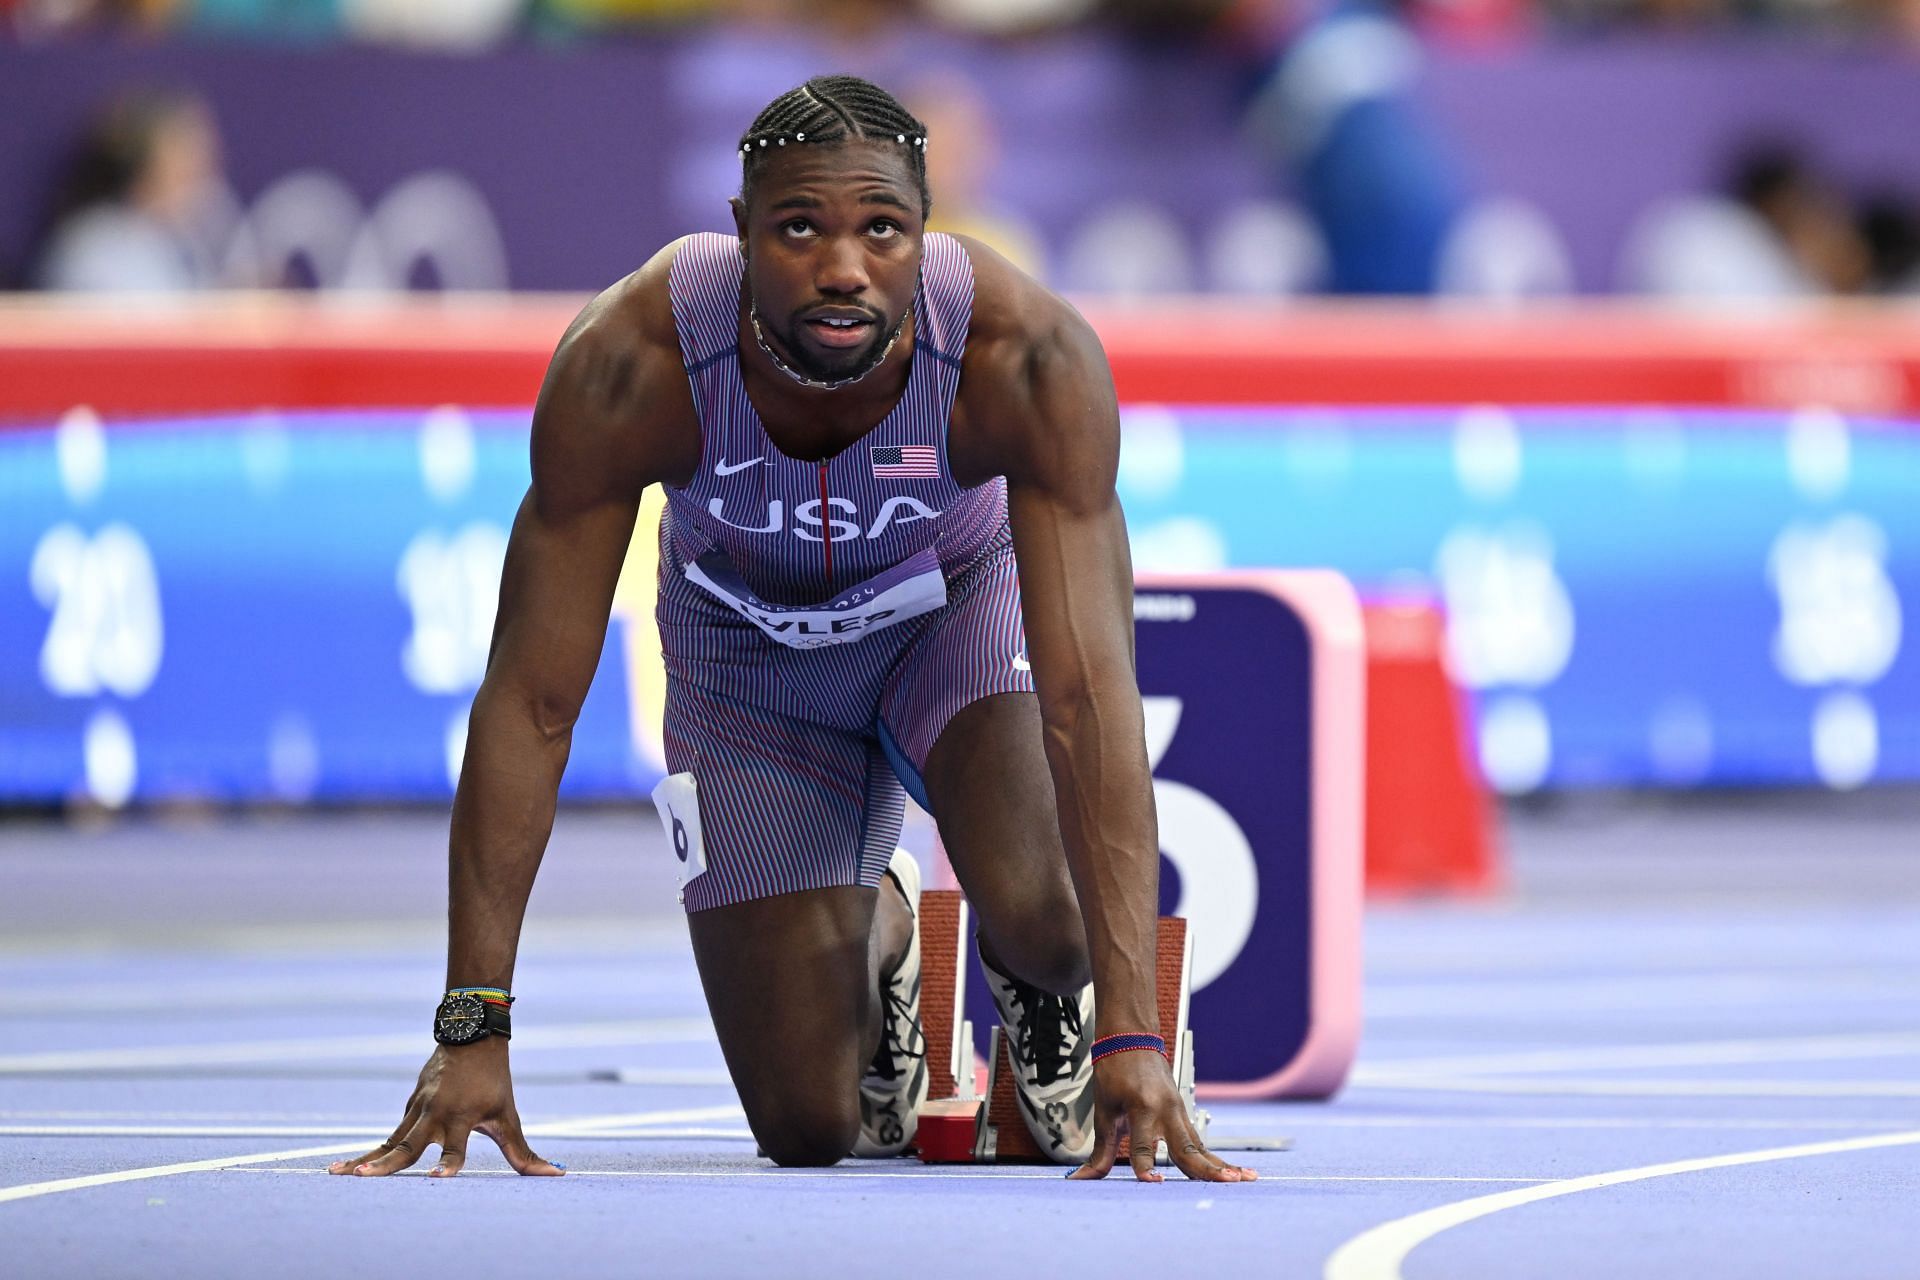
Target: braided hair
833,110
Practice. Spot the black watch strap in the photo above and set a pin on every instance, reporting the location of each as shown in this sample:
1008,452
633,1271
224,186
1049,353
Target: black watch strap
463,1018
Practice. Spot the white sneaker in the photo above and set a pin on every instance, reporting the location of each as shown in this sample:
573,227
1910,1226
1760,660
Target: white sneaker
1050,1039
896,1084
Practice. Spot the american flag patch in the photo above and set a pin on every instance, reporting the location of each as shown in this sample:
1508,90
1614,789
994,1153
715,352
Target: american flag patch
905,462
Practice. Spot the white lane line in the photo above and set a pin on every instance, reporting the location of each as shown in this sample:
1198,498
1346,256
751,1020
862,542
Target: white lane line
574,1035
628,1120
1481,1000
664,1075
1606,1087
1590,1122
1377,1254
1695,1053
29,1190
945,1171
321,1124
367,1133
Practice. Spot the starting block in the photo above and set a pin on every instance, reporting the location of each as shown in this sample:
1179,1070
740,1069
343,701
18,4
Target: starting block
943,1004
962,1127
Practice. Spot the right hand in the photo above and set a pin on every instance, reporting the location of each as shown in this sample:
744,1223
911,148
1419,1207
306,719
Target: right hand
461,1091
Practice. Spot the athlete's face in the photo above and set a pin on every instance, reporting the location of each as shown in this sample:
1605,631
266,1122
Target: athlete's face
832,241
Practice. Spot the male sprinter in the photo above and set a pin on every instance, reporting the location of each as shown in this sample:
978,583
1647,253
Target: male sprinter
863,429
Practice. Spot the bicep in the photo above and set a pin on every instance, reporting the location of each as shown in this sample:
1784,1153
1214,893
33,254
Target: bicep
598,441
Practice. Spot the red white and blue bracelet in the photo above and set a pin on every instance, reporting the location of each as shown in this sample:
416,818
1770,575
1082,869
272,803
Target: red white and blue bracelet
1126,1041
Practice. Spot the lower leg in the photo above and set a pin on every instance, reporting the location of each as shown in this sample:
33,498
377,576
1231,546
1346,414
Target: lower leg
988,780
892,931
790,982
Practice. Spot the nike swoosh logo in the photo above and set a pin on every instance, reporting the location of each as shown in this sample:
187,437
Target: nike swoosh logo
721,468
1020,662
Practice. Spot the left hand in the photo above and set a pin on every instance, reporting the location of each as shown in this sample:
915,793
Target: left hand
1134,1097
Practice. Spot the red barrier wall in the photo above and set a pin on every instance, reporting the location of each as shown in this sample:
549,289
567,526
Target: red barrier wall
293,352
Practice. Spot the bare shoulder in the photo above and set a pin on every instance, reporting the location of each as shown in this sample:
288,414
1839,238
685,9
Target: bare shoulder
1036,398
615,409
1016,319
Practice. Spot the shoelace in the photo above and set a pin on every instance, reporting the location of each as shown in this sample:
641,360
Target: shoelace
1045,1030
887,1057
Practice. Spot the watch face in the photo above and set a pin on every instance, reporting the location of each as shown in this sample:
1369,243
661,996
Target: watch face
461,1019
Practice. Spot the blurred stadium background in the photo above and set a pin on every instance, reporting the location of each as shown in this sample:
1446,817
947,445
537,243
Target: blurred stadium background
1582,335
1630,402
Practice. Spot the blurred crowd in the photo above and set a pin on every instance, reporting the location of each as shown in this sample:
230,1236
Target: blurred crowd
1367,199
470,24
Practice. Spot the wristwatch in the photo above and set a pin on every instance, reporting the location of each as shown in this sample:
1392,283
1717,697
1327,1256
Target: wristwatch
462,1019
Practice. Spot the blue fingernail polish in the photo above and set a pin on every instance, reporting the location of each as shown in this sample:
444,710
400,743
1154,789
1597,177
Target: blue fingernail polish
556,1164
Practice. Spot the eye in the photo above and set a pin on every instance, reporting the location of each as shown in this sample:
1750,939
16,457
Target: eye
796,227
884,228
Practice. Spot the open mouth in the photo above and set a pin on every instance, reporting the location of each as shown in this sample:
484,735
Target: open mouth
839,331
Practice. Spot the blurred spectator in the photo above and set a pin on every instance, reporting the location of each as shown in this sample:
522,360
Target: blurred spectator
1780,231
35,19
266,20
453,25
590,17
1338,115
143,206
1890,226
1809,218
963,151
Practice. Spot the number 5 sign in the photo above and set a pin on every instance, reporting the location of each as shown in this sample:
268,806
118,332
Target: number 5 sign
1253,687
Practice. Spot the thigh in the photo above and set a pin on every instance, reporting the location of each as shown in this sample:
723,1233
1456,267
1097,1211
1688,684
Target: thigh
790,986
971,650
786,805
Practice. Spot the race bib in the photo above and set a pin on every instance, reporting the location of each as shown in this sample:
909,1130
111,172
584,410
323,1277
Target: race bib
909,589
678,801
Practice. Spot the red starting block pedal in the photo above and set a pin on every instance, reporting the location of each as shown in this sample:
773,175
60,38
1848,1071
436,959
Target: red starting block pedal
990,1129
943,978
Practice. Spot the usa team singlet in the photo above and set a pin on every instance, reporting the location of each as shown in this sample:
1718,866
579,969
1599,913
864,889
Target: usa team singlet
821,621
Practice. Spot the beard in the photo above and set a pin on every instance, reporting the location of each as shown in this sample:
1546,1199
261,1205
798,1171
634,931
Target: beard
819,363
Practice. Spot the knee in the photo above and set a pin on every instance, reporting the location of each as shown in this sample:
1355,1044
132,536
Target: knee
810,1135
1057,961
1045,944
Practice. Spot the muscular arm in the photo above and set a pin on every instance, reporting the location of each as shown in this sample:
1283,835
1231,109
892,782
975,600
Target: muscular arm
1044,415
1037,406
613,416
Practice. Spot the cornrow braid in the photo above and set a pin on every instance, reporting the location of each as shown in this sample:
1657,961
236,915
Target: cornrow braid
833,110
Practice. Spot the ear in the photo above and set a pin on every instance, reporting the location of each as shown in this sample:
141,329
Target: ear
739,208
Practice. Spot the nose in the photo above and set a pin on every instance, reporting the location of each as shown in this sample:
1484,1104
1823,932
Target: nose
842,266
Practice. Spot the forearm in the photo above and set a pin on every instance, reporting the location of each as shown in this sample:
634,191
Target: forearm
502,817
1096,751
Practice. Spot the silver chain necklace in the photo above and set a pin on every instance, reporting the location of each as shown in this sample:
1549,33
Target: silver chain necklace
753,314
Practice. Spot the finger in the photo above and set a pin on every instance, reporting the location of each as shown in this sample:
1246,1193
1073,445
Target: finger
407,1122
1146,1138
1192,1158
403,1153
1106,1149
453,1152
513,1145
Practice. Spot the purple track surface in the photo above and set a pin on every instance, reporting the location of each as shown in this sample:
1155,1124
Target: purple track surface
1665,984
